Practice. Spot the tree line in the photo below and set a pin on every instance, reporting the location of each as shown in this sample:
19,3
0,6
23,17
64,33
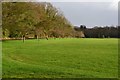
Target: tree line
99,32
43,20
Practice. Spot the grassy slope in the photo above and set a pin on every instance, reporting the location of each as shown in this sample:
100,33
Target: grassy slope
60,58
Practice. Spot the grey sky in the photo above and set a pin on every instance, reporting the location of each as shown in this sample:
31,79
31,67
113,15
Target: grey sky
89,13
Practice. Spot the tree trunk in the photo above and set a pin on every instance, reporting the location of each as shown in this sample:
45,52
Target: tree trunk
23,38
47,37
37,37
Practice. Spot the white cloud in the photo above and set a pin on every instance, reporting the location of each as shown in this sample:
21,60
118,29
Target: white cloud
114,4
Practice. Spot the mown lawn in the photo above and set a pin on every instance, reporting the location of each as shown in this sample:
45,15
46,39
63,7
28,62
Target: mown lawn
56,58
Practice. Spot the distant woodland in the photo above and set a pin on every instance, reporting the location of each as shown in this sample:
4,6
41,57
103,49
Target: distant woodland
99,32
43,20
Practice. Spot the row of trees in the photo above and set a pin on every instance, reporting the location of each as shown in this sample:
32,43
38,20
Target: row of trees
100,32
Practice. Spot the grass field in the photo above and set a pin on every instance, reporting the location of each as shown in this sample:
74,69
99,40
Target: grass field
56,58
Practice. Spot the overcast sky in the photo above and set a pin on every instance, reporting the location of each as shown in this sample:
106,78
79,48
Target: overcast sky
89,13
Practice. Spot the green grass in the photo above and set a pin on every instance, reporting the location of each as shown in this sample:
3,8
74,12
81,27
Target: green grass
56,58
0,59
